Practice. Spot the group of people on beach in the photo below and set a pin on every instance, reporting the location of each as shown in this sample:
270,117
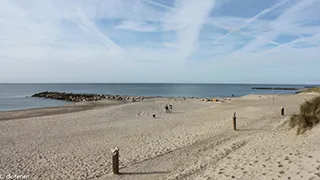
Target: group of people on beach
167,108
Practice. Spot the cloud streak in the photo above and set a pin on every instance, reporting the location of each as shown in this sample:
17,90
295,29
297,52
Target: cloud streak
287,18
188,31
254,18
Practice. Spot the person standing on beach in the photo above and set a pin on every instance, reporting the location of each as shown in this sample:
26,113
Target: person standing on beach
170,108
166,108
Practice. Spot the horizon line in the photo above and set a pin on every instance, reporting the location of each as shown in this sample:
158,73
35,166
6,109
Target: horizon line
200,83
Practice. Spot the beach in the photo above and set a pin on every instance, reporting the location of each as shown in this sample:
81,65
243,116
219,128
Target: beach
195,141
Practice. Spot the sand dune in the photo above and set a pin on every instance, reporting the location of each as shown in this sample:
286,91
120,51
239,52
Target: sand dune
196,141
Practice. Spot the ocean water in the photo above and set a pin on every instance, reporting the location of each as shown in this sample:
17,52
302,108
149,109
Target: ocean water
14,96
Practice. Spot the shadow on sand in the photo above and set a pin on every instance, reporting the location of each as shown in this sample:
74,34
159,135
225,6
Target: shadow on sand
252,129
143,173
176,112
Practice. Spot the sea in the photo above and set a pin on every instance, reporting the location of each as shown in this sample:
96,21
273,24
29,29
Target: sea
17,96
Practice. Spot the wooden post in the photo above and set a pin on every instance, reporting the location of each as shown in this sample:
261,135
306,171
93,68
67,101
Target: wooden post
282,111
234,121
115,160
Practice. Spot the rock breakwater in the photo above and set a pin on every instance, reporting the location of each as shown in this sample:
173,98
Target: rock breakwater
88,97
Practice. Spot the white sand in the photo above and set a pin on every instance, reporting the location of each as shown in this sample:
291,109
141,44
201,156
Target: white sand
196,141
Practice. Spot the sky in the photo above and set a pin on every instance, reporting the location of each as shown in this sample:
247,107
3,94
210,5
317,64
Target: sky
172,41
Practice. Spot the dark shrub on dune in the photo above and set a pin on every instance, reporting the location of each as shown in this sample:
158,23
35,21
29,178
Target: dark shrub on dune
309,116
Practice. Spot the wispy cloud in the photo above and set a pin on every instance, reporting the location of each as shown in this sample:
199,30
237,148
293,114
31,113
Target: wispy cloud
284,21
136,26
189,19
132,41
253,19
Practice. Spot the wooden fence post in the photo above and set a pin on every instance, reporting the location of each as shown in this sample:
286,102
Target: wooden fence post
282,111
115,160
234,121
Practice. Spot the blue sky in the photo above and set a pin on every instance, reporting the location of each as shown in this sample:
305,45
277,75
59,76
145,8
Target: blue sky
205,41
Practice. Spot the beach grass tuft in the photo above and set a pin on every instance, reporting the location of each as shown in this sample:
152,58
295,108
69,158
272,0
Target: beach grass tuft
312,90
308,117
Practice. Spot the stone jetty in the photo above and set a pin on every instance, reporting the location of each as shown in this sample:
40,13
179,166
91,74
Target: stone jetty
276,88
88,97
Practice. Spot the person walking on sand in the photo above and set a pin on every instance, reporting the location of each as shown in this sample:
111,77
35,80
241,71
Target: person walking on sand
170,108
166,108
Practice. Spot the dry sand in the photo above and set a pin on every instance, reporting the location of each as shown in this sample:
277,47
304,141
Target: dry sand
196,141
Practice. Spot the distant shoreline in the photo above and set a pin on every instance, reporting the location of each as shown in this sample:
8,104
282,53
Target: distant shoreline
132,98
54,110
161,83
68,108
84,106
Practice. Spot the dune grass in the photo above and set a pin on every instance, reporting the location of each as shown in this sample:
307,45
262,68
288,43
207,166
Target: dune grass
308,117
314,89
